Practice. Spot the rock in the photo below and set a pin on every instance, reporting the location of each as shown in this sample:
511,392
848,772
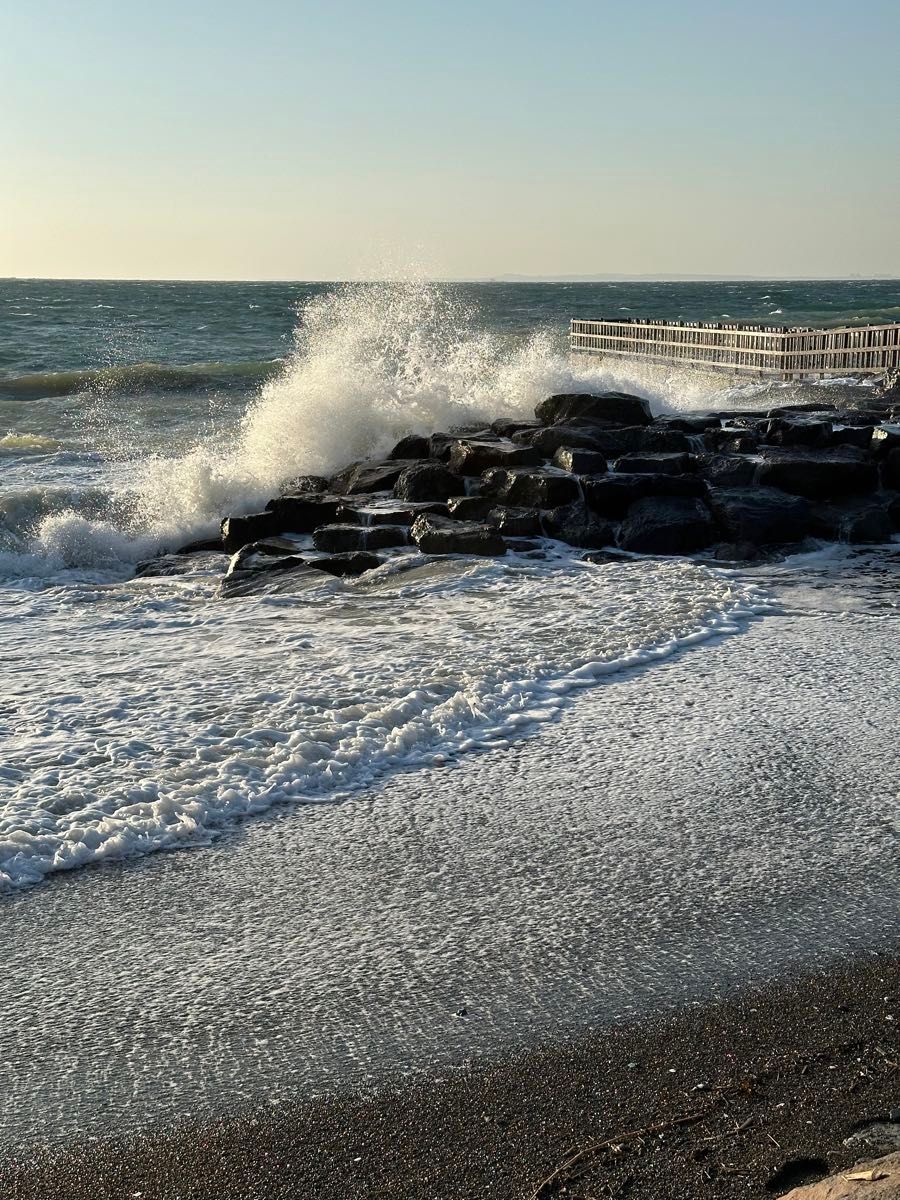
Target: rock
763,516
504,427
688,424
238,531
522,545
611,496
410,447
818,475
609,442
866,522
515,522
657,464
556,437
526,488
440,445
618,408
369,477
874,1179
579,462
892,508
165,564
782,432
439,535
890,470
337,539
852,435
731,441
575,524
356,563
248,570
603,557
885,438
386,512
474,458
208,546
427,481
727,470
735,552
302,514
304,483
274,546
667,525
470,508
810,406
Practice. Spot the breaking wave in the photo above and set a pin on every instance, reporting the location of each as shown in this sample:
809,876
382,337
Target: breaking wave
133,379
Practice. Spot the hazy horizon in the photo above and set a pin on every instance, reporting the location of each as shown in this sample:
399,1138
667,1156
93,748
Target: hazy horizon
299,143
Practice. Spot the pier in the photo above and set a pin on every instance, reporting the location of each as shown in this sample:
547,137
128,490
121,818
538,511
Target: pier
772,351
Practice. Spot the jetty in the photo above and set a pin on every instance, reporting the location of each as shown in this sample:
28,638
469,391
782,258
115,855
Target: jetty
770,351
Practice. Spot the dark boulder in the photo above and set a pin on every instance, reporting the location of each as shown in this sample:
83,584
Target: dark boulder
410,447
602,558
809,406
302,514
727,470
504,427
656,464
667,525
852,435
868,521
818,475
890,469
165,564
368,477
610,442
355,563
612,495
304,483
474,458
688,424
579,462
206,546
783,432
384,512
338,539
618,408
515,522
763,516
440,445
576,525
439,535
731,441
238,531
427,481
526,488
470,508
885,438
273,546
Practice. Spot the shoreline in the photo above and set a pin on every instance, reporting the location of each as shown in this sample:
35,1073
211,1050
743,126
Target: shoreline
713,1099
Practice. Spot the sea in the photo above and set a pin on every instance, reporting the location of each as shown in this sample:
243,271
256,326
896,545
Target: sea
263,845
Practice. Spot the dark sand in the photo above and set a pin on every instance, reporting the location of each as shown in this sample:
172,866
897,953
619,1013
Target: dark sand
708,1102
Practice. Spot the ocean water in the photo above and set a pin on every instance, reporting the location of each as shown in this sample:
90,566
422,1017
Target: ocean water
146,714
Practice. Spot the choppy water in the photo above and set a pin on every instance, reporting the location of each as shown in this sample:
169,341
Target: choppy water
148,714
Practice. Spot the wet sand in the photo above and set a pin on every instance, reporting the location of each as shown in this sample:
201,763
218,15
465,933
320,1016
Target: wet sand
711,1101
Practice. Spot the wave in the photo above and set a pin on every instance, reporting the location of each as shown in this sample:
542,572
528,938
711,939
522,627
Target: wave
135,379
27,443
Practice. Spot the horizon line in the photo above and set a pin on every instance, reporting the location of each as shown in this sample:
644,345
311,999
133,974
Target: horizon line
480,279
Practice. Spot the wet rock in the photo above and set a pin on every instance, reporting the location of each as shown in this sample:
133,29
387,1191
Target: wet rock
731,441
440,535
782,432
604,557
612,443
355,563
410,447
810,406
274,546
618,408
818,475
763,516
885,438
522,545
890,470
304,483
164,565
302,514
515,522
470,508
207,546
860,523
656,464
504,427
578,526
382,512
727,470
667,525
611,496
369,477
852,435
735,552
474,458
579,462
525,488
693,425
440,445
238,531
337,539
427,481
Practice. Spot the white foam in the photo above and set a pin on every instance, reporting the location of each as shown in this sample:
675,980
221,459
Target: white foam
154,715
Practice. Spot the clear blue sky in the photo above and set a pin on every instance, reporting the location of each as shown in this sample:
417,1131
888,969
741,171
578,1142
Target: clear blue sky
321,140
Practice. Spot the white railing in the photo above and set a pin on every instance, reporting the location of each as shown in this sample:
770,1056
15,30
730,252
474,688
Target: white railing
782,351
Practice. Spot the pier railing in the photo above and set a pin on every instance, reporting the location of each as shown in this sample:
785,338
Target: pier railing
779,351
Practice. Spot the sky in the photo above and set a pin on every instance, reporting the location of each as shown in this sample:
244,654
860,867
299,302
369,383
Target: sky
284,139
